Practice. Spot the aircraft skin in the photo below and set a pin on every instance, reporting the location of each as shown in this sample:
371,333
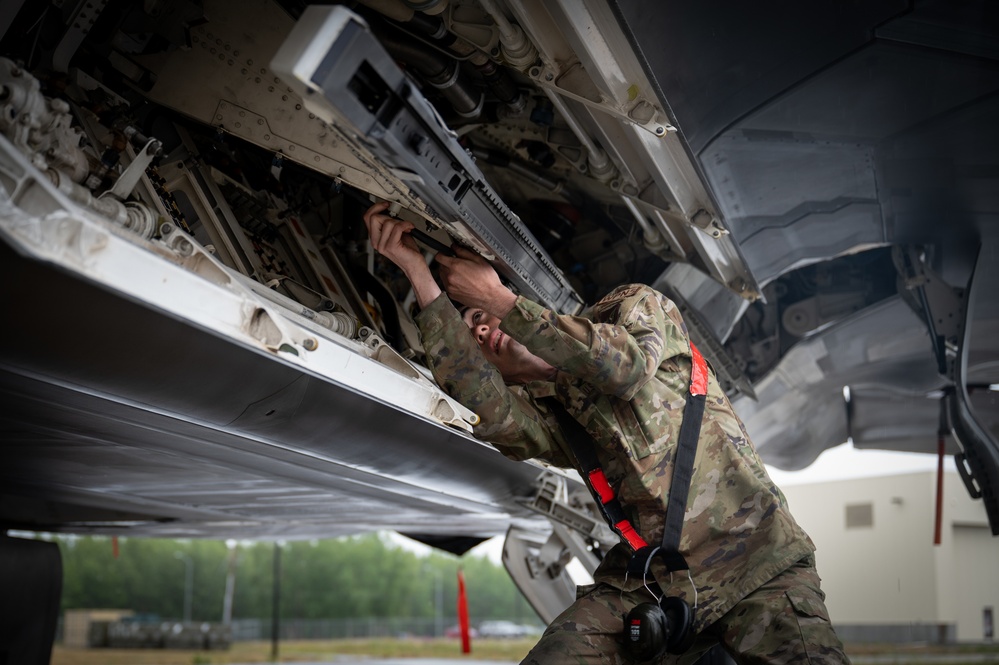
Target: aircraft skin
198,341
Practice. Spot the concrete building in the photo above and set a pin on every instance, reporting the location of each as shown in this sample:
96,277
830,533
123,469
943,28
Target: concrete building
884,578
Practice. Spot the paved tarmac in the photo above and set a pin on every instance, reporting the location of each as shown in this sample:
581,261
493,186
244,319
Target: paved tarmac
927,658
364,660
887,659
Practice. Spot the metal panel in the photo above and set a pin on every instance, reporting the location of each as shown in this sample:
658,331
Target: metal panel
148,387
801,409
346,77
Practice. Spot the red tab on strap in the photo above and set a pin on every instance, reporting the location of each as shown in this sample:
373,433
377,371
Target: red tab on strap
598,481
635,541
698,372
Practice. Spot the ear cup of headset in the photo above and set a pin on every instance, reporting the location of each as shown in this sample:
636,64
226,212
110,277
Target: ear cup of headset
679,622
645,634
651,631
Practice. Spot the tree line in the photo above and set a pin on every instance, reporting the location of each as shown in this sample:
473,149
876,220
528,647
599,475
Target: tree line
361,576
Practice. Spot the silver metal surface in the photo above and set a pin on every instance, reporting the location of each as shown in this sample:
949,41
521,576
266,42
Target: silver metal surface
347,78
152,384
104,431
800,411
179,403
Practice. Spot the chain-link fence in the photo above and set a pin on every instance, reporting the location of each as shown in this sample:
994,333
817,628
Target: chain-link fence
328,629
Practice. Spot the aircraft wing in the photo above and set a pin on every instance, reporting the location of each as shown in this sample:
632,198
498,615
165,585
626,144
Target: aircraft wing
203,416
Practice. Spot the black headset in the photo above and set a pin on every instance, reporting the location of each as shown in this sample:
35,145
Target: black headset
651,630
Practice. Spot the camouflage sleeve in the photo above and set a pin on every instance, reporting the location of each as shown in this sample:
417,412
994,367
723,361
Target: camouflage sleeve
633,329
509,418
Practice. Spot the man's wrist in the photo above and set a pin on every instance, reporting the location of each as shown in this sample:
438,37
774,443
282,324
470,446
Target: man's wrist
424,286
501,303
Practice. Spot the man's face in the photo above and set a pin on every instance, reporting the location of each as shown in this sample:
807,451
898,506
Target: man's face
511,358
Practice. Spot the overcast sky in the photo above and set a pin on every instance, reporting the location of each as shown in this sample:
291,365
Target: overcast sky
845,461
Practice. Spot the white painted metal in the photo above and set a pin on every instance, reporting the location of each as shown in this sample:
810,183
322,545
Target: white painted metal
182,278
590,61
544,581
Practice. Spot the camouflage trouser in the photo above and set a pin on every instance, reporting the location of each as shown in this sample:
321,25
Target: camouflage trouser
784,621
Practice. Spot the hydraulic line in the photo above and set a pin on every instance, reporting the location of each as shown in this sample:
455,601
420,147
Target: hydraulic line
435,34
439,71
601,166
500,83
518,50
508,32
497,158
394,9
650,235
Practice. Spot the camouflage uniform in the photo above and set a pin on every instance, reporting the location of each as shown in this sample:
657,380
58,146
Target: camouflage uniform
623,373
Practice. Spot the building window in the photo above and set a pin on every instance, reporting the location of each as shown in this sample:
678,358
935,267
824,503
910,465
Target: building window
859,515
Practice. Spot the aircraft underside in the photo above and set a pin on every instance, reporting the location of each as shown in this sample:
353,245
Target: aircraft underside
199,341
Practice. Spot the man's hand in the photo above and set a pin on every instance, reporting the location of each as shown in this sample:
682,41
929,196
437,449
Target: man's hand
469,279
390,238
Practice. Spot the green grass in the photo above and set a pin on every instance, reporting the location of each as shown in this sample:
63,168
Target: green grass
300,651
482,649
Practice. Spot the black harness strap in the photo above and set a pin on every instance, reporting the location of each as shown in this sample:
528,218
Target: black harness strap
584,450
683,471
